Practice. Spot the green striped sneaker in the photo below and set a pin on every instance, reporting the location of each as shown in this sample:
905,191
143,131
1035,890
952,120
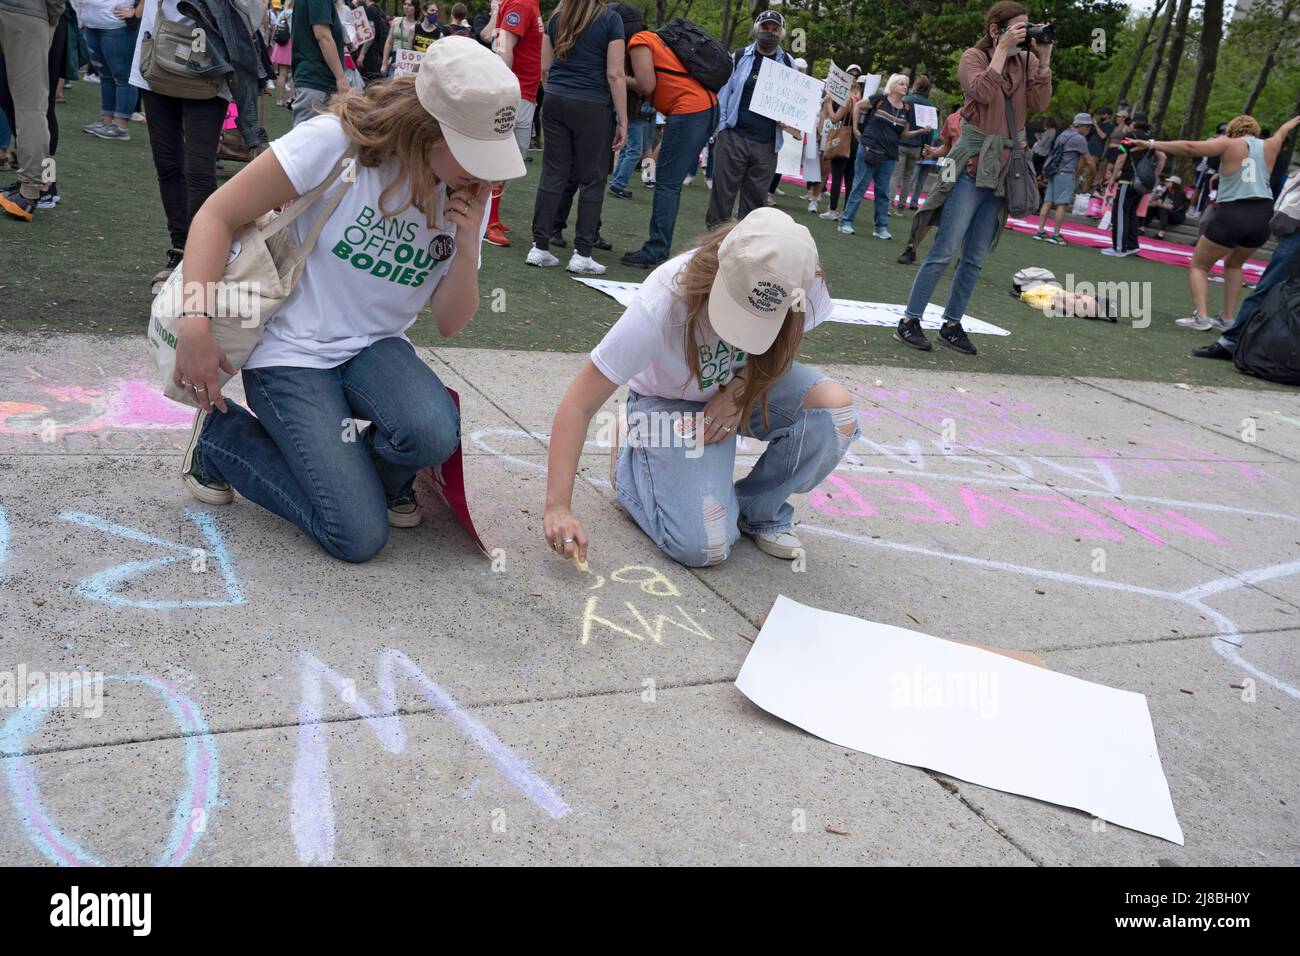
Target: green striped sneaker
207,490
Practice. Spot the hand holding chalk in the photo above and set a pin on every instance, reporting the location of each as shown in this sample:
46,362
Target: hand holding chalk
565,534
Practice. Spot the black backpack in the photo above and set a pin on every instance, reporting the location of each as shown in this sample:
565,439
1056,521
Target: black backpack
1055,157
283,32
705,58
1269,345
1144,171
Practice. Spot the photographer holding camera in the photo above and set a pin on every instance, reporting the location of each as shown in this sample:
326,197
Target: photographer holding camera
998,74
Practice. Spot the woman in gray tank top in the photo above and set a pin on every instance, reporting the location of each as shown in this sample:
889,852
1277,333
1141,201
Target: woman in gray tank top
1238,223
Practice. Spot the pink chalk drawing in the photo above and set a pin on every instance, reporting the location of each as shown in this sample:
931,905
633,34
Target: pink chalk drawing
862,496
122,404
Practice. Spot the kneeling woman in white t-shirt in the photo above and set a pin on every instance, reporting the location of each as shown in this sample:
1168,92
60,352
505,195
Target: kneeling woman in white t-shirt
707,350
405,234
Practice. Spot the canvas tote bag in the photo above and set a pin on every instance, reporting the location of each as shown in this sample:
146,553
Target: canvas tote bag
262,269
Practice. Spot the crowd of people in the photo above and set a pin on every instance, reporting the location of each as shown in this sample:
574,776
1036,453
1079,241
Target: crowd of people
408,130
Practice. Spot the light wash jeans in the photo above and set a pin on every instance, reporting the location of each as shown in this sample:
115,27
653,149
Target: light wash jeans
640,137
688,500
300,459
880,175
969,217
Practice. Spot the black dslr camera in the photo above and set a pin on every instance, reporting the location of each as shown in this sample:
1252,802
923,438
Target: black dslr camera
1042,32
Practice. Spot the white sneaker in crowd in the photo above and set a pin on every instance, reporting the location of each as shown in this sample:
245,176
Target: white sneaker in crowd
779,544
688,180
831,214
541,258
137,117
584,266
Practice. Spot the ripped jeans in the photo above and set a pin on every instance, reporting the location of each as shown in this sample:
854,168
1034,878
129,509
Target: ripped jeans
687,499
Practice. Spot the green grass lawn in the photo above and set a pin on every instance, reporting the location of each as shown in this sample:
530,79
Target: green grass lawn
86,266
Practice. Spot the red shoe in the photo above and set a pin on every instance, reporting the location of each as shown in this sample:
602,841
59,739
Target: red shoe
496,235
504,226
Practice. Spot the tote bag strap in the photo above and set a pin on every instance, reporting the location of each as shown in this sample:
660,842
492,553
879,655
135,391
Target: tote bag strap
308,199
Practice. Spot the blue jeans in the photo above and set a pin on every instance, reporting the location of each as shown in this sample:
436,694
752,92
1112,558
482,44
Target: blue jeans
640,136
692,507
112,51
1277,271
684,136
303,459
970,218
880,175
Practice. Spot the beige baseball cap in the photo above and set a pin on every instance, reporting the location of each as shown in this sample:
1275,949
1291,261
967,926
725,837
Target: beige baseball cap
762,264
474,97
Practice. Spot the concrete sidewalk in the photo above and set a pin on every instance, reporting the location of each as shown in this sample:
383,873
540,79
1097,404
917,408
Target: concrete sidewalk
264,703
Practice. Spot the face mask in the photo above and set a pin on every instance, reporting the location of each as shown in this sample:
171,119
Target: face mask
768,42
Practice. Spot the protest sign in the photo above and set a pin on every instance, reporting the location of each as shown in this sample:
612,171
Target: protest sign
838,84
787,96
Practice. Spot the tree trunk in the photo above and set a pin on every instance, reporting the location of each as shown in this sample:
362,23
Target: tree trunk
1157,55
1207,61
1175,59
1141,48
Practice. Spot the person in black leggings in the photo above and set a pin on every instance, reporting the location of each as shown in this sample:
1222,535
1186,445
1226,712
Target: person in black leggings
58,57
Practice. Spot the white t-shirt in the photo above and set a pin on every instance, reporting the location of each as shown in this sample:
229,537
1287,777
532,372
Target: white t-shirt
644,349
98,14
368,276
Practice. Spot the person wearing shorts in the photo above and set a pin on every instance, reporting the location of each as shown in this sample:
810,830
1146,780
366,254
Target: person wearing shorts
1071,146
1238,224
519,43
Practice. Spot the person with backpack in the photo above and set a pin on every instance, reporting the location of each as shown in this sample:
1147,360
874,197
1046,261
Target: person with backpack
282,53
1132,177
881,124
1243,207
746,143
583,119
691,111
1060,169
1005,76
1043,144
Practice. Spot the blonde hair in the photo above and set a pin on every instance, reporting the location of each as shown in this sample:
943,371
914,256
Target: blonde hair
575,16
1242,126
695,283
386,120
894,79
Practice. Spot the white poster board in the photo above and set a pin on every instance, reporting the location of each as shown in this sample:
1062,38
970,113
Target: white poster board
926,115
838,84
872,84
963,711
789,159
787,96
848,311
408,61
362,31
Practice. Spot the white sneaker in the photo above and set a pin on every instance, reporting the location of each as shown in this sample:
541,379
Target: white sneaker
708,183
541,258
779,544
1198,322
584,266
404,513
778,191
688,180
137,117
196,483
846,228
1112,252
812,205
832,214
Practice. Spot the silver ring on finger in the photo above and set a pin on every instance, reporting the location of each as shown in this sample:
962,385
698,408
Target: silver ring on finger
568,541
726,428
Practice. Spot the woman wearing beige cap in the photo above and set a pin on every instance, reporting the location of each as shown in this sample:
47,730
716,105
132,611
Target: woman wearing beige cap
707,351
408,167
